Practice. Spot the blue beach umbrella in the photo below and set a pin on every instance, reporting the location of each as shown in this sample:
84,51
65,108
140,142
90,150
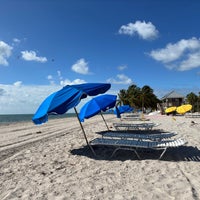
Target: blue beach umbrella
68,97
123,109
97,105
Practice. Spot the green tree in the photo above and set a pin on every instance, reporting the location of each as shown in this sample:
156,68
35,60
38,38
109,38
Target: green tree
198,102
192,99
147,98
141,98
133,92
123,97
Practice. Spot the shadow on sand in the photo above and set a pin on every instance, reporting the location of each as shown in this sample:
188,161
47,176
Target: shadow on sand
183,153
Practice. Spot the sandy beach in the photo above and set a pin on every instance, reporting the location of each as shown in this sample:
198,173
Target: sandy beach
53,162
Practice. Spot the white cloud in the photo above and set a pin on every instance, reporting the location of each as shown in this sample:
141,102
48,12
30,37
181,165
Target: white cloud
18,83
122,67
59,80
49,77
59,75
183,55
32,56
74,82
16,40
26,99
81,67
120,79
174,51
2,92
5,53
23,99
193,61
146,31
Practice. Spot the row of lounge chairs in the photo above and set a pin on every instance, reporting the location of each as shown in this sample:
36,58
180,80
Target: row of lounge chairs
134,117
192,115
134,126
140,137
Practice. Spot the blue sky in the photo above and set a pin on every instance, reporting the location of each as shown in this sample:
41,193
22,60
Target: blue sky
46,44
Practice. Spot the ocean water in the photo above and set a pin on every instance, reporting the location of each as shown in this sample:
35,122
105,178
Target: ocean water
7,119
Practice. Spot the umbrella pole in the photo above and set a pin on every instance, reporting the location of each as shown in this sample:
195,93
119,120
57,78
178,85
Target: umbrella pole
84,132
104,120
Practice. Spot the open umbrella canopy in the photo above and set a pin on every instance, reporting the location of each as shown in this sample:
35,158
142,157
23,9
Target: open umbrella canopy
68,97
183,109
170,109
96,105
123,109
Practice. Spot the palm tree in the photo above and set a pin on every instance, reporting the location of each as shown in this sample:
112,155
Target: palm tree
147,98
132,93
123,97
138,97
192,99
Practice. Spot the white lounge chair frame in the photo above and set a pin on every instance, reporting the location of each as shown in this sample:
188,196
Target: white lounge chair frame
134,145
137,136
131,126
192,115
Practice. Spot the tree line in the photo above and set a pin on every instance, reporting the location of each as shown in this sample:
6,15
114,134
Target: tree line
139,98
144,98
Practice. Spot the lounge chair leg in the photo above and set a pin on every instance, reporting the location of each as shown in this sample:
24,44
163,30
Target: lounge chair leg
136,153
126,149
114,152
162,153
92,150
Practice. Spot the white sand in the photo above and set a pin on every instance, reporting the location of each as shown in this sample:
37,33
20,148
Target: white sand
52,161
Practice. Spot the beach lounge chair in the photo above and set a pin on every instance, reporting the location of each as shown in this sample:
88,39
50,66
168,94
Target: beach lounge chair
130,118
134,117
138,136
132,126
192,115
135,145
